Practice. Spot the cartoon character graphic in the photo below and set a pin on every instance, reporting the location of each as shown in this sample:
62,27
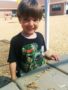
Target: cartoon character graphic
34,57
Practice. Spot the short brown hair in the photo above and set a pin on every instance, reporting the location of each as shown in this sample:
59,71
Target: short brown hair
28,10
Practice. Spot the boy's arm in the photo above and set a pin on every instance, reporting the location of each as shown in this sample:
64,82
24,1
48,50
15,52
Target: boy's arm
12,67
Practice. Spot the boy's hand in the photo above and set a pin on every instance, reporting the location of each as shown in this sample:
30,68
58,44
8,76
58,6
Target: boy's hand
51,56
54,57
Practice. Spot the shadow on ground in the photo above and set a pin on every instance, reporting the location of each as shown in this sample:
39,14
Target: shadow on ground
4,81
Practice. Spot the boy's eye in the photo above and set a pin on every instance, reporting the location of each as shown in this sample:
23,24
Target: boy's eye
35,19
25,19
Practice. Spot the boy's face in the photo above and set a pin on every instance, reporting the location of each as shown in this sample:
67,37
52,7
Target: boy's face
29,25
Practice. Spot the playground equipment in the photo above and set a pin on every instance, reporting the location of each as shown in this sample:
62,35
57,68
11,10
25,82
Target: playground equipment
51,76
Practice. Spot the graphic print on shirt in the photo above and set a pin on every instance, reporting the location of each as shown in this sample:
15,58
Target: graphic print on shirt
33,56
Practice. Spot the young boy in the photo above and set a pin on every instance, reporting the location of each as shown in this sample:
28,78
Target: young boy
28,43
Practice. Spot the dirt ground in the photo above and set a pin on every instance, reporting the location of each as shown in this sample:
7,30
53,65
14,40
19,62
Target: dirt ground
58,42
4,48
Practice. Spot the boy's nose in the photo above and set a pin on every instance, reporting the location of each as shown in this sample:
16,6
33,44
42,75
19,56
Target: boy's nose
31,22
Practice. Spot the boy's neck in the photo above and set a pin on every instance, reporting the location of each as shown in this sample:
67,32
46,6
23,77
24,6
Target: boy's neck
29,36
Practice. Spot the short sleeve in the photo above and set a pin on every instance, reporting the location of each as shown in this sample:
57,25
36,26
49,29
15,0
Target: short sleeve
42,40
12,55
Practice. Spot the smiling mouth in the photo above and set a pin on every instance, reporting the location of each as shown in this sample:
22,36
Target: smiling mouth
30,29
